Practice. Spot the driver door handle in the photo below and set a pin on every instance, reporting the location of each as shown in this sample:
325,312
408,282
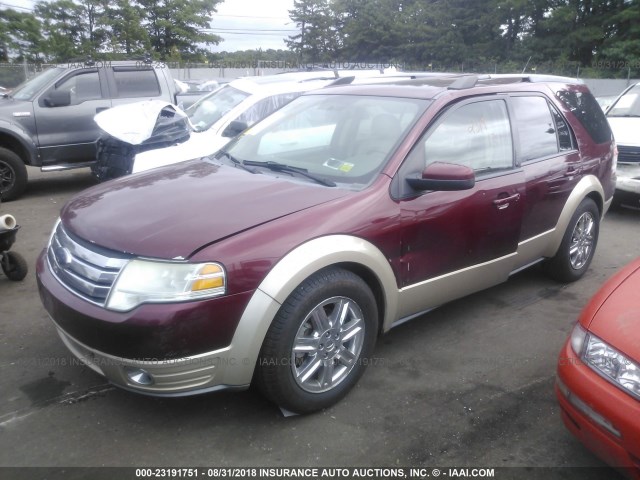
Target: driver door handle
502,203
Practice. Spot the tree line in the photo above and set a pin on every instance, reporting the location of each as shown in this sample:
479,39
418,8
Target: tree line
552,36
64,30
441,34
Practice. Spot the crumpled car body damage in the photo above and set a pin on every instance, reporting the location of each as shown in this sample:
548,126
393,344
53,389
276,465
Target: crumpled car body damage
134,128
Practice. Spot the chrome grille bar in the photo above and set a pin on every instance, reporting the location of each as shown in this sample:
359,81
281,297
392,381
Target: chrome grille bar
88,273
628,154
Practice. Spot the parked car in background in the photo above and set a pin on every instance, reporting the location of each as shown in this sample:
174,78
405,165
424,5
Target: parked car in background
214,119
192,90
606,101
624,118
48,120
347,212
598,383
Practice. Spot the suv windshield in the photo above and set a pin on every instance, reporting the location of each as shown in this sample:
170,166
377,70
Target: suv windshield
627,105
209,109
27,89
342,139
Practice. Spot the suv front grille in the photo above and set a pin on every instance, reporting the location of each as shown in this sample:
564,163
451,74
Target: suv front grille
88,272
628,154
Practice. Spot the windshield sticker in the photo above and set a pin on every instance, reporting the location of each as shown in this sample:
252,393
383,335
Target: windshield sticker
334,164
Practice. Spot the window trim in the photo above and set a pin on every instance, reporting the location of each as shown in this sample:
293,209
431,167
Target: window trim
407,167
68,76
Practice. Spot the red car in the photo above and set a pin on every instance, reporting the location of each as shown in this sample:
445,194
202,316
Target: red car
598,385
283,257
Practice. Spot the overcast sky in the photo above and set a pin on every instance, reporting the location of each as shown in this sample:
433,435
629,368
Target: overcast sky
251,24
243,24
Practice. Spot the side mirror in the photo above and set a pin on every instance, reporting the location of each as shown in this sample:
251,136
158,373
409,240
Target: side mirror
58,98
234,129
444,177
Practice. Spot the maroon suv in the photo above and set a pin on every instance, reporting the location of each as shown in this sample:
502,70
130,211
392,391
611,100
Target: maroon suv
282,258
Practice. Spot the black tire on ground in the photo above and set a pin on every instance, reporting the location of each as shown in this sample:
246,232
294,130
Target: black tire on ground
319,342
14,266
13,175
578,244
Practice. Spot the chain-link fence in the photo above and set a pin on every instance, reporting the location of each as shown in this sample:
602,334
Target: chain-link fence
603,78
13,74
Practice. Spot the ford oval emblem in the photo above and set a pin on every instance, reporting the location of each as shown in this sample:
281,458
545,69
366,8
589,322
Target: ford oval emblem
63,256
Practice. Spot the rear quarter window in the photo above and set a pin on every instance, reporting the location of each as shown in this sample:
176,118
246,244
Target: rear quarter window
586,109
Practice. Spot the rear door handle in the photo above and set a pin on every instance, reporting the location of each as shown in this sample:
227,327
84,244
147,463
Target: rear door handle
502,203
572,171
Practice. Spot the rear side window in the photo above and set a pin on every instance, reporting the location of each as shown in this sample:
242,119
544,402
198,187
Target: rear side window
536,127
589,113
136,82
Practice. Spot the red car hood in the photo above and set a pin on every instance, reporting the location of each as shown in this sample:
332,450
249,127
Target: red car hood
617,320
172,212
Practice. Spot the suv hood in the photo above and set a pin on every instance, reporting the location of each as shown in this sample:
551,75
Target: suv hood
172,212
625,130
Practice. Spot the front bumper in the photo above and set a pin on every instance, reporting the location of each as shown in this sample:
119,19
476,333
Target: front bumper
166,350
176,377
628,183
591,400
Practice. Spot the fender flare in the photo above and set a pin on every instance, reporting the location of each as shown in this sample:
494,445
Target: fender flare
23,139
586,186
285,276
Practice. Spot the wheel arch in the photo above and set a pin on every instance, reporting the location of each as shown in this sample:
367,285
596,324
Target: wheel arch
344,251
588,187
18,144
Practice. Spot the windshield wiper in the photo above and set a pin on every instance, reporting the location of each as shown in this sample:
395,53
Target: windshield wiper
281,167
236,162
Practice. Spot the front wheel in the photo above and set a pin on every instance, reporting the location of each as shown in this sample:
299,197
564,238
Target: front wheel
578,244
318,344
13,175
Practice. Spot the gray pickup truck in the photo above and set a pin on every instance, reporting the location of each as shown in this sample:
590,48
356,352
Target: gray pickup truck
47,122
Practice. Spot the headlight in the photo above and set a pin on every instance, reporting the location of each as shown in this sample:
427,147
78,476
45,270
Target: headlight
147,281
612,364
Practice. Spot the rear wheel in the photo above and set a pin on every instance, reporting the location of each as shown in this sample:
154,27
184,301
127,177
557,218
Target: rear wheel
578,244
316,348
13,175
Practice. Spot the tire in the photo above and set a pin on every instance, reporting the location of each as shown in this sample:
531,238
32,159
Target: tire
14,266
331,319
578,244
13,175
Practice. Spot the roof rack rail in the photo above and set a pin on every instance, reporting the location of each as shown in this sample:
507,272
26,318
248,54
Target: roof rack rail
342,81
463,83
531,78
